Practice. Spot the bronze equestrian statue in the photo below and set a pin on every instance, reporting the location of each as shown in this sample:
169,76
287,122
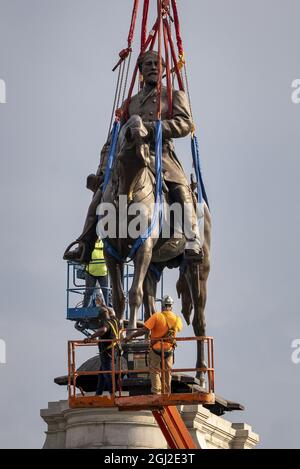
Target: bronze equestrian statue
144,104
133,176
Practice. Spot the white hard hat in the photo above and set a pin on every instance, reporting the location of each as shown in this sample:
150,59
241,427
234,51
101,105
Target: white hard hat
167,301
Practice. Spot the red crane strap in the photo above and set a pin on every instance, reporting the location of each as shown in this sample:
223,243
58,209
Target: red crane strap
168,72
125,52
151,35
159,82
144,24
133,22
177,28
174,57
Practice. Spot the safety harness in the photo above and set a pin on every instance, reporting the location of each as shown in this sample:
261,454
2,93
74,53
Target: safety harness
169,337
113,323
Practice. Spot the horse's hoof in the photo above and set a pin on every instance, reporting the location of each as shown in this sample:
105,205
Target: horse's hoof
77,254
73,255
202,383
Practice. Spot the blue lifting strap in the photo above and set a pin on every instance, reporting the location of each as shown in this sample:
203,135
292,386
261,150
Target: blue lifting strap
157,214
112,154
201,192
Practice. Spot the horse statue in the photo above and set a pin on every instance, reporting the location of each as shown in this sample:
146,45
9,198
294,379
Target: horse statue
133,181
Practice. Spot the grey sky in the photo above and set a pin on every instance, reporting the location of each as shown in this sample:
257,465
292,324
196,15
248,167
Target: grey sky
56,58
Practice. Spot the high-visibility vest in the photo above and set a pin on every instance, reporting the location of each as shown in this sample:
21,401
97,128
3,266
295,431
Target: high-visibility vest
97,266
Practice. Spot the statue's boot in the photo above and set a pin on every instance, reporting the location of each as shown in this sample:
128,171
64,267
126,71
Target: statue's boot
194,256
182,194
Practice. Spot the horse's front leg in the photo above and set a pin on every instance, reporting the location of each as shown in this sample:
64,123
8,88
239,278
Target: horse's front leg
115,270
141,264
149,294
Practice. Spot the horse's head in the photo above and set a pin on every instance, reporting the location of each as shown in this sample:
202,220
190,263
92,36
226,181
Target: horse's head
133,143
133,159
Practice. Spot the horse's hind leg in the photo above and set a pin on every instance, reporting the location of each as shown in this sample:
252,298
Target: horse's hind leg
116,275
199,325
183,292
198,290
197,282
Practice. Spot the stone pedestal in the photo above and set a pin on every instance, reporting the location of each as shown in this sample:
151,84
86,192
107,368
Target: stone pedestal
111,429
212,432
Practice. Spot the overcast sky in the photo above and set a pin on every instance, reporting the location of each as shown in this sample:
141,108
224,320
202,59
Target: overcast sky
56,58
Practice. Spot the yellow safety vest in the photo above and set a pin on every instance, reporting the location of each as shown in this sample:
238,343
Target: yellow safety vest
97,266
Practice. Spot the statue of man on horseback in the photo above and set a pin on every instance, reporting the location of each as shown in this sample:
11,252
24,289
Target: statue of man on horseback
133,176
144,104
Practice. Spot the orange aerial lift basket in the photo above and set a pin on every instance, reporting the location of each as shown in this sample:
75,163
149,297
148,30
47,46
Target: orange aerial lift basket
163,406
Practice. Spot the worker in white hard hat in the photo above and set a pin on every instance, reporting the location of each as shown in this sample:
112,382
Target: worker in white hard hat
164,325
